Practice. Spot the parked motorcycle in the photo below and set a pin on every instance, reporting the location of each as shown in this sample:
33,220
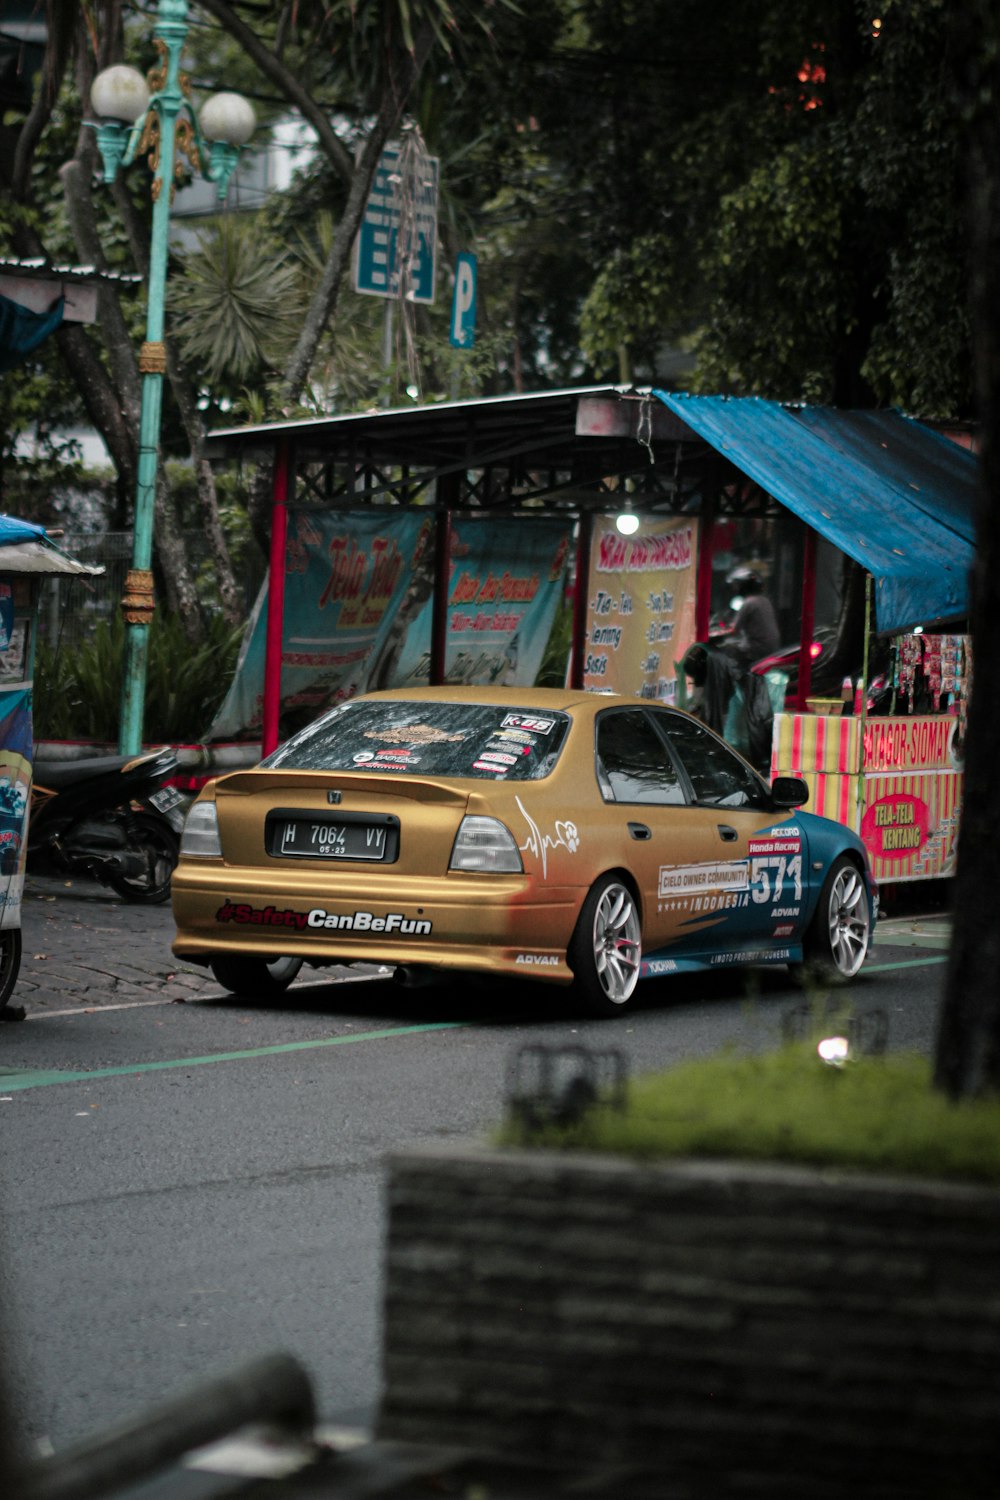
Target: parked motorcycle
827,676
112,818
786,660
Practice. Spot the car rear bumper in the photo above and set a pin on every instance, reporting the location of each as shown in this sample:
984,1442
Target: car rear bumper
483,924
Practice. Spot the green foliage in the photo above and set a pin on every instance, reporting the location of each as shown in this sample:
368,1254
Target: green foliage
555,662
877,1114
37,403
77,693
368,36
235,314
628,306
780,266
633,181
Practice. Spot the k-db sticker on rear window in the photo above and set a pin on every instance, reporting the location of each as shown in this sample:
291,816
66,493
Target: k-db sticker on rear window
528,721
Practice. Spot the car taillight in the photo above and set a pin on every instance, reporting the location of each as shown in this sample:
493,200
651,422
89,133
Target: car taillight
201,832
485,844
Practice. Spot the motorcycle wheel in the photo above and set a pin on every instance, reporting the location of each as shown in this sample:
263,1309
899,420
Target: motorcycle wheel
10,962
161,847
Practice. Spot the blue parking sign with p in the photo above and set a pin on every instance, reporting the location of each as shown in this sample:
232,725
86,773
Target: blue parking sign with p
462,334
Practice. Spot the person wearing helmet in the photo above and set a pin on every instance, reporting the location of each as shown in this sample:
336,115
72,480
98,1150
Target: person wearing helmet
755,629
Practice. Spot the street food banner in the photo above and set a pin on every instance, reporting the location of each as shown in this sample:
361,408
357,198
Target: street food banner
640,606
910,825
914,786
345,581
15,790
359,609
913,743
507,577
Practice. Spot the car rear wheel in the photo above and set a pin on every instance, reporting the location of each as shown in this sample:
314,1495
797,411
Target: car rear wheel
837,941
257,978
606,948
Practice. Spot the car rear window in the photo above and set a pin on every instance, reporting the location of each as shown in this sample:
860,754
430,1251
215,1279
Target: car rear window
478,740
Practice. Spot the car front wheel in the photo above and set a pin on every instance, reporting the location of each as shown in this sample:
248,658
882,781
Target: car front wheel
606,948
837,941
257,978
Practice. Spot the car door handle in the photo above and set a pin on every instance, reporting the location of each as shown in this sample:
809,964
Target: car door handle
727,833
640,831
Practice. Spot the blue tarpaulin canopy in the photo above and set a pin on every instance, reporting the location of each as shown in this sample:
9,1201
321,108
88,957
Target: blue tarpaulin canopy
26,548
13,529
891,493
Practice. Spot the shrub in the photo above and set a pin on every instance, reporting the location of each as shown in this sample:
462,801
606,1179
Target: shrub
876,1114
77,693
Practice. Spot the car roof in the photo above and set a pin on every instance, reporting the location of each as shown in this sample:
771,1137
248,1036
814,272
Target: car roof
552,699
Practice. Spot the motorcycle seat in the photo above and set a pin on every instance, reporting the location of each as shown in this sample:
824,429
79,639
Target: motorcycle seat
57,774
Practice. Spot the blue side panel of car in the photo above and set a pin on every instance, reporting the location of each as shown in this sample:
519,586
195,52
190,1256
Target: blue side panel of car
769,903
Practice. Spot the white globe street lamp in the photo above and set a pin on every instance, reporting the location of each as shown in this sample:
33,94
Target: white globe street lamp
154,116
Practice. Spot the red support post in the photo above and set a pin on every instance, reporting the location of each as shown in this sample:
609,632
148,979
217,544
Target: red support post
275,600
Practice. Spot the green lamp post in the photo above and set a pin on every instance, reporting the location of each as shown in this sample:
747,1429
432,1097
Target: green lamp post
154,116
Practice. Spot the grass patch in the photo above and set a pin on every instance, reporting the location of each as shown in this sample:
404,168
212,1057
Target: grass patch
876,1114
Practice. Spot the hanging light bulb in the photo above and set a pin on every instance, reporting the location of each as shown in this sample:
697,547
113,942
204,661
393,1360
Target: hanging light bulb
627,521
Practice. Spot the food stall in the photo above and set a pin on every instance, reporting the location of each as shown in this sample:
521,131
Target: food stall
898,498
894,777
26,556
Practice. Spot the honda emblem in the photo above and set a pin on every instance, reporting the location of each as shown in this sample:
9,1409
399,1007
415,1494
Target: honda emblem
333,797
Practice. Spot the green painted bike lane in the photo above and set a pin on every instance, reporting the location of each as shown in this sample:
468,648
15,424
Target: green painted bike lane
16,1080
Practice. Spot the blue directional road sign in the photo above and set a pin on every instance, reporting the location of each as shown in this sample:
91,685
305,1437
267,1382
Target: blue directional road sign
380,257
462,332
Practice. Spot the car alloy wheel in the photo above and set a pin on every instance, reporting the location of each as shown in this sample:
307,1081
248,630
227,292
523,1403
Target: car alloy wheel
837,943
607,947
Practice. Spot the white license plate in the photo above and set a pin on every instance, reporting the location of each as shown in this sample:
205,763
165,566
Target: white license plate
324,839
166,798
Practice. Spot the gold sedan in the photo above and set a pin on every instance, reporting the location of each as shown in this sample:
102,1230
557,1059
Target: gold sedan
577,838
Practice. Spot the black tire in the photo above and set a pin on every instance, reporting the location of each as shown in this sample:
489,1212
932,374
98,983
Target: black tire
10,962
161,847
837,941
606,948
257,978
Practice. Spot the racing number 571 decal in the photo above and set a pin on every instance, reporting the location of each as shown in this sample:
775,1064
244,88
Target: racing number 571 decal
771,873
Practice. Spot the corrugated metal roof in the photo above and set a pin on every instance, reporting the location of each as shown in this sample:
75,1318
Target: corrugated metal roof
43,269
400,427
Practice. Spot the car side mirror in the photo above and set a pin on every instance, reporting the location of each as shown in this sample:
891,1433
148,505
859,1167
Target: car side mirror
789,791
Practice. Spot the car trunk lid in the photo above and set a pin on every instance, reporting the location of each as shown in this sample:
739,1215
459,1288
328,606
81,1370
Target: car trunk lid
349,820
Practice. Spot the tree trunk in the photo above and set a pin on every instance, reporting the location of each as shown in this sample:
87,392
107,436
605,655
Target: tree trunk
76,176
324,301
178,579
968,1043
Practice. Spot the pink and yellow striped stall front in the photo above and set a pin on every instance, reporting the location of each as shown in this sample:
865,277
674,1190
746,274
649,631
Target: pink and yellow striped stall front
896,781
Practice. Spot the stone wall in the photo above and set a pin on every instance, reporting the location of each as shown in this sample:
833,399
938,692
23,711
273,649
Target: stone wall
758,1329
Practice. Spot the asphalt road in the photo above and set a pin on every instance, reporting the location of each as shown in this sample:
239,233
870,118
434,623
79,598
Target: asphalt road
187,1181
